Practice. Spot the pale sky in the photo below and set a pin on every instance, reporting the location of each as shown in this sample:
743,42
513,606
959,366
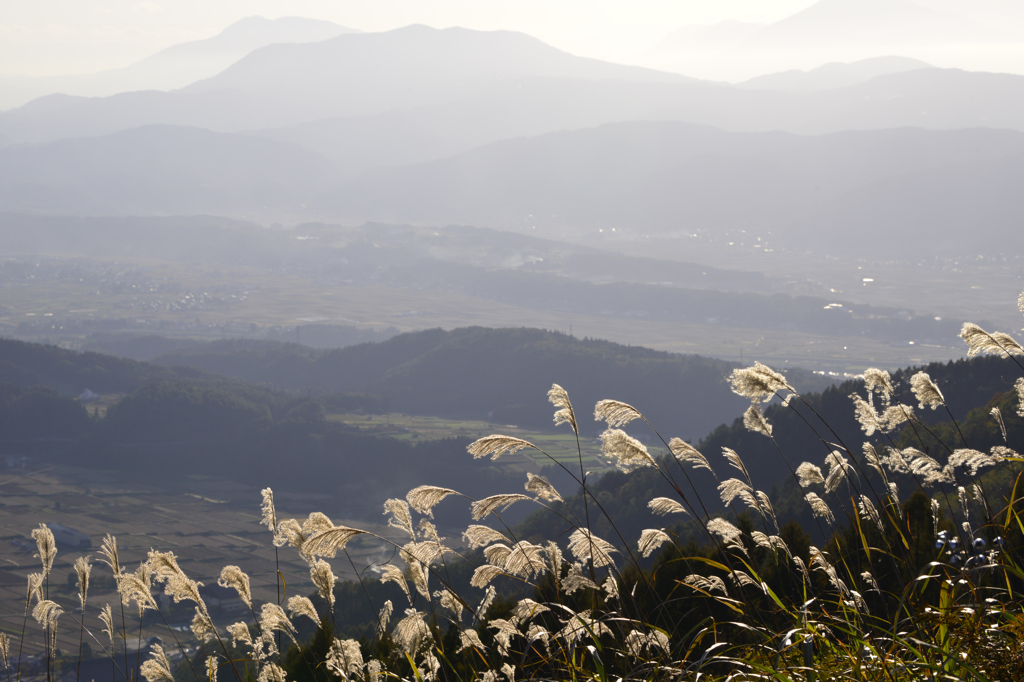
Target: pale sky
51,37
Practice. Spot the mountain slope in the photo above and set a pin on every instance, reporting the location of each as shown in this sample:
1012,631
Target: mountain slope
834,75
650,178
160,169
175,66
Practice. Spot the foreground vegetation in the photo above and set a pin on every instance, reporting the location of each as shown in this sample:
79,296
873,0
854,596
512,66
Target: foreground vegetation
920,574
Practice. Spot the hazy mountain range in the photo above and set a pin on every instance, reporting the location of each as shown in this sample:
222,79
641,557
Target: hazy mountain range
175,66
824,192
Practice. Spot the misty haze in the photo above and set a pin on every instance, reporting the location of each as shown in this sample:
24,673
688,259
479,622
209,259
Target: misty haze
304,310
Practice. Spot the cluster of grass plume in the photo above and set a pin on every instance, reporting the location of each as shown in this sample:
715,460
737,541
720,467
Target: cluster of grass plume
920,586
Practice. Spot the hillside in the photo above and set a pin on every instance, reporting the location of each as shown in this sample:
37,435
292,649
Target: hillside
966,384
659,177
498,374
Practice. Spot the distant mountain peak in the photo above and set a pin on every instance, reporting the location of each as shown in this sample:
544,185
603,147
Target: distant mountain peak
832,23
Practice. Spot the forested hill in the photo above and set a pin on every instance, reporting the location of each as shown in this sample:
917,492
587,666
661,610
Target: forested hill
70,372
501,375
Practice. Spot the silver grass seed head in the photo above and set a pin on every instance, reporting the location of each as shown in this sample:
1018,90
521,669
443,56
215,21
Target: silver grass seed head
980,341
108,552
470,639
726,532
211,668
480,536
650,540
754,420
412,633
496,504
808,474
629,453
973,460
46,545
554,557
731,488
497,445
394,574
323,577
526,559
742,579
526,609
418,575
820,508
483,575
383,617
46,613
1019,387
235,578
878,381
998,416
928,394
869,513
610,587
962,494
107,618
449,600
157,668
345,659
424,498
374,671
575,580
267,508
399,517
1020,302
759,382
686,453
664,505
584,545
615,413
239,633
428,531
712,583
542,488
736,461
302,606
637,642
274,619
870,581
271,672
83,568
5,647
770,542
874,461
564,413
328,542
33,589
